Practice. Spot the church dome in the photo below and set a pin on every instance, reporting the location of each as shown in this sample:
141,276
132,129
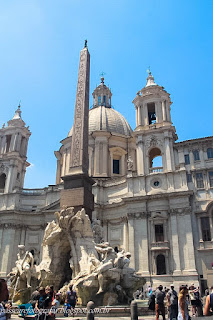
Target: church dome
107,119
102,117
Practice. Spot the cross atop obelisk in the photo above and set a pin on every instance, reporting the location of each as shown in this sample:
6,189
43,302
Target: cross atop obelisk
79,149
77,191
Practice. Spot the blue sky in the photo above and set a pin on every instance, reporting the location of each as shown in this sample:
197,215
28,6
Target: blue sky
40,41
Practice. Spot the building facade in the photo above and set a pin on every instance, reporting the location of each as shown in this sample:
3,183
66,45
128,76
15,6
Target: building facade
153,195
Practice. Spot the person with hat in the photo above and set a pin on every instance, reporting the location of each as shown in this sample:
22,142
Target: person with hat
172,298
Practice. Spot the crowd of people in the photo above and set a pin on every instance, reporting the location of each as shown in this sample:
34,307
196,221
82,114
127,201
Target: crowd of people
43,304
182,305
46,301
178,304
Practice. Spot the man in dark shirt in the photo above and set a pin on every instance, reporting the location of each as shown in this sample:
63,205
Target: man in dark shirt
159,306
172,297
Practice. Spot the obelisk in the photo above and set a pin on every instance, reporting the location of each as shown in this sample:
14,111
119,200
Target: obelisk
77,191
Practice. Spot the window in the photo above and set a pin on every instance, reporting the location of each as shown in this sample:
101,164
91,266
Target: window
2,182
18,176
99,100
189,177
104,100
187,160
161,264
199,179
205,227
116,165
151,113
211,178
159,236
210,153
196,155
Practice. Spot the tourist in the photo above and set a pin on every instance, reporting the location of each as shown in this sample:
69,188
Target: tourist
149,291
2,312
71,300
192,300
43,303
183,313
34,297
4,293
172,298
208,309
55,305
159,306
52,292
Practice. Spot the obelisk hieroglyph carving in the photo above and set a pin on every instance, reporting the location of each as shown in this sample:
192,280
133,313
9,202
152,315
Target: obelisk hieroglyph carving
77,191
79,150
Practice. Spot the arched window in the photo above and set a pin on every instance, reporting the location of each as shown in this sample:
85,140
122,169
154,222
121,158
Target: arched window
155,160
161,264
104,100
99,100
2,182
210,153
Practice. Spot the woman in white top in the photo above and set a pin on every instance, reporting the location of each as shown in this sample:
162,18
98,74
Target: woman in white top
183,313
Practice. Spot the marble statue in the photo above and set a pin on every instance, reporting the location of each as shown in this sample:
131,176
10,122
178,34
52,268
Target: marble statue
24,267
129,164
71,255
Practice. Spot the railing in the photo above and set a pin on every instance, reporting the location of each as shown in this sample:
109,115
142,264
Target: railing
155,169
33,191
164,245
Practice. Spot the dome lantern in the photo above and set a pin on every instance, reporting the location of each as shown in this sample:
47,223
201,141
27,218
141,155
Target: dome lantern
102,95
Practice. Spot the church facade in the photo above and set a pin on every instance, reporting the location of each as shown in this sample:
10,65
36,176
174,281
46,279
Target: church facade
153,195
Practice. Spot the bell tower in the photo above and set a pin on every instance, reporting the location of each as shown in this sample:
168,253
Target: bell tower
152,105
154,131
13,153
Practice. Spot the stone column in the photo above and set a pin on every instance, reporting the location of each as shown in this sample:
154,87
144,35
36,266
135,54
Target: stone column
139,115
146,118
3,146
90,161
105,159
152,231
144,258
97,159
64,164
163,110
8,184
202,158
123,164
140,156
168,155
175,245
12,142
191,158
23,236
165,230
125,236
18,142
157,112
190,256
105,230
7,250
131,241
1,234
